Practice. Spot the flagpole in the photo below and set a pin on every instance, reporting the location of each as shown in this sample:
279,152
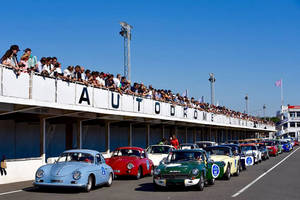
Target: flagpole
281,91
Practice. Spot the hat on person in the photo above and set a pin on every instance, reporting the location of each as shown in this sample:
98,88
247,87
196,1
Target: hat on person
14,47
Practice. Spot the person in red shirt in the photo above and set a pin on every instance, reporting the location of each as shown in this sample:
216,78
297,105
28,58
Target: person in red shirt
174,142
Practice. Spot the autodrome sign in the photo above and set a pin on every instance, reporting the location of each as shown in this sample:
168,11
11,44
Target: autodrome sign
100,98
69,95
142,105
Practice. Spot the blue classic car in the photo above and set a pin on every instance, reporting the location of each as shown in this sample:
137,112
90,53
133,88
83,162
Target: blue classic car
75,168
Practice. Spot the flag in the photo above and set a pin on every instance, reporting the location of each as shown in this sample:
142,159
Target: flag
185,93
278,83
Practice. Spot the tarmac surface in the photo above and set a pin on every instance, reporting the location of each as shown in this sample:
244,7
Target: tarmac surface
276,178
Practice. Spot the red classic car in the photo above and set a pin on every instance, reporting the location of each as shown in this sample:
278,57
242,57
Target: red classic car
130,161
272,148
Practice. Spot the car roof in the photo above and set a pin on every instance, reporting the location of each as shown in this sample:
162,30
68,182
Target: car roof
222,146
189,150
133,148
205,142
249,144
187,144
93,152
160,145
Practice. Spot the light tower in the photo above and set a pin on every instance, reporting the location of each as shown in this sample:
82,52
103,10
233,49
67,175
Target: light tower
212,81
264,109
126,34
246,99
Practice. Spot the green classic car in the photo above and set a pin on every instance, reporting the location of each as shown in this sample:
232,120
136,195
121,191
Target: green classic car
190,167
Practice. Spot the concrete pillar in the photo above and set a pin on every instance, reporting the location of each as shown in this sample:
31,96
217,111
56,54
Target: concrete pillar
130,134
107,136
148,128
79,134
163,131
69,135
43,139
186,134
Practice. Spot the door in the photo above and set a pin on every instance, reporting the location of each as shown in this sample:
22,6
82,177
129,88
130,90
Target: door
102,170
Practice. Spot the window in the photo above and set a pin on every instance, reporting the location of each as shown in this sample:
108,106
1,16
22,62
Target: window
298,124
292,124
285,125
292,114
98,159
298,114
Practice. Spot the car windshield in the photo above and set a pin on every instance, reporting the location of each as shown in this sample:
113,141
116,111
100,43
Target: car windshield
218,151
184,156
76,157
262,147
270,143
127,152
159,149
187,146
203,145
248,148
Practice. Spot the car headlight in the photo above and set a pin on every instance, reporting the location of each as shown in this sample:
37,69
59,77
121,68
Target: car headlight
39,173
195,172
130,166
156,171
76,175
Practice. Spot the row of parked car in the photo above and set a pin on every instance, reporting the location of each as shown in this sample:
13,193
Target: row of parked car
193,165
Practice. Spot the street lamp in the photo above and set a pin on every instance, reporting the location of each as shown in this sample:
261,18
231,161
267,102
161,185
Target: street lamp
212,81
264,109
246,98
126,34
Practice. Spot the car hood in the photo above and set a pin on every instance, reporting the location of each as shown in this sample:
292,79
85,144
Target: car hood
156,158
121,160
219,158
66,168
180,167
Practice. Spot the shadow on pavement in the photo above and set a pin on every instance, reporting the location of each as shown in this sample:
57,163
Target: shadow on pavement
53,190
149,187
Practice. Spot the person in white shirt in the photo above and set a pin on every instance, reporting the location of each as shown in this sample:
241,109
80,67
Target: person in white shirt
100,80
117,81
68,73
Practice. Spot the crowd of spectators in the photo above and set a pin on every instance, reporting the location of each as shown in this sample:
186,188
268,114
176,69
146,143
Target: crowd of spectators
51,67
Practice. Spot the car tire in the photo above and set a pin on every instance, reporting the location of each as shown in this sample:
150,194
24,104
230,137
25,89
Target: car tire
211,181
237,173
139,173
227,173
200,185
110,180
89,184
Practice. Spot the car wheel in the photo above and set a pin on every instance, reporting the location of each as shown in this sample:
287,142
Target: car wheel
200,185
227,173
89,184
211,181
237,173
110,180
139,173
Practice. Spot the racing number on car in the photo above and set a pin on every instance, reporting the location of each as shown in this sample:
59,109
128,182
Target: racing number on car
249,160
215,170
103,171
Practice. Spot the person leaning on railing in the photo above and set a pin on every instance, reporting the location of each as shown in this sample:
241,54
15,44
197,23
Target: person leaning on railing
10,59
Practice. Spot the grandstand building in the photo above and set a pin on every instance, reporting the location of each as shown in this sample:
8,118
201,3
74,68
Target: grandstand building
289,125
40,117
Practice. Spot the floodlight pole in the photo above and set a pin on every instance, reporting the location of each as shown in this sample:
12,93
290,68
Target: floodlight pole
126,33
212,81
246,98
264,109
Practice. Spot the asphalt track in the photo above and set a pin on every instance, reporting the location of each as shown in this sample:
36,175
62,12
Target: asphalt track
276,178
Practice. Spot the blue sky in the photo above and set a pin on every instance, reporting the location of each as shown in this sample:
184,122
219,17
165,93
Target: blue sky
247,44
